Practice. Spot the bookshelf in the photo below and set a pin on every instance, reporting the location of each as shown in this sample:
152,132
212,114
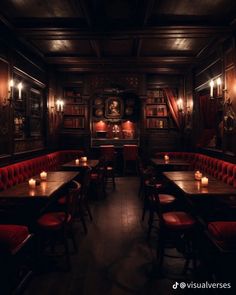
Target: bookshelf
76,111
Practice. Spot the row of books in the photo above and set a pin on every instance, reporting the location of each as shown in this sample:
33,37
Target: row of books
156,123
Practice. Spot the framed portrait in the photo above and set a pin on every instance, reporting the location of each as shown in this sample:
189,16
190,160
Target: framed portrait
114,107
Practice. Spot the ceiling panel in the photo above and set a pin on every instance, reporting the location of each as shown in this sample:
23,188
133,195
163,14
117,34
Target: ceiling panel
116,47
175,45
40,8
66,47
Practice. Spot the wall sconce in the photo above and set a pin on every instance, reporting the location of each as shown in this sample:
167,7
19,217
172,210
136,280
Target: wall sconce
9,97
218,84
180,105
60,105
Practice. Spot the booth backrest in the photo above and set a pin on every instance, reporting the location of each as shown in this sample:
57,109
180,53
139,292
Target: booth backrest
16,173
222,170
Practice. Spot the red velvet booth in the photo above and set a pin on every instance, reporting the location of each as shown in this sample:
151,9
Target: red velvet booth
19,172
222,170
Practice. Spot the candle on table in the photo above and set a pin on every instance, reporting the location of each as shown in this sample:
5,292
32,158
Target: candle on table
198,175
204,181
77,161
84,159
43,175
32,183
166,158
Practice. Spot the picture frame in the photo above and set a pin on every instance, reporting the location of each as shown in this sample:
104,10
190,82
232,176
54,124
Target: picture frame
114,107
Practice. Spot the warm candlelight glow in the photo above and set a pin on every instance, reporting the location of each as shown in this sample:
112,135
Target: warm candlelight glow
20,86
211,88
60,105
84,159
43,175
77,161
32,183
166,158
180,104
204,181
198,175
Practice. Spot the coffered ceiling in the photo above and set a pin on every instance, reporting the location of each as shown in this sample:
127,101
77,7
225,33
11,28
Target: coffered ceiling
105,35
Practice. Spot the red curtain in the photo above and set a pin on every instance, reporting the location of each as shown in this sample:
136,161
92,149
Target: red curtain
173,107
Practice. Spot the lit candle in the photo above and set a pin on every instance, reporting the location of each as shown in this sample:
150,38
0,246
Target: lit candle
84,159
211,88
204,181
166,158
20,86
198,175
43,175
218,83
77,161
180,104
32,183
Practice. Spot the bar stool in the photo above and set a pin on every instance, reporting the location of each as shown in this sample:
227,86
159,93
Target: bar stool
14,247
130,154
108,156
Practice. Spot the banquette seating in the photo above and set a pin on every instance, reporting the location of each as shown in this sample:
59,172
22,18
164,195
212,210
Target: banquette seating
19,172
220,169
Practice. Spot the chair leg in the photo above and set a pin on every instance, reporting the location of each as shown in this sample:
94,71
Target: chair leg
88,210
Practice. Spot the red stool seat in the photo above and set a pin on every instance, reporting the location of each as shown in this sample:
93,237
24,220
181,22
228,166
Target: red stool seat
166,199
12,237
178,220
224,234
53,220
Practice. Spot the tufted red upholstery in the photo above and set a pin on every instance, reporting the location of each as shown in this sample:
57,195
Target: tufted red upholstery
19,172
223,234
12,237
178,220
222,170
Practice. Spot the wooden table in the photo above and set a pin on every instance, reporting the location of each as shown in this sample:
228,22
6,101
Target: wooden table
172,164
71,166
22,204
193,188
45,190
184,175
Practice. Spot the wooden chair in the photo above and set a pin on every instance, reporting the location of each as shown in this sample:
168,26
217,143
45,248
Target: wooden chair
130,156
108,156
58,225
175,227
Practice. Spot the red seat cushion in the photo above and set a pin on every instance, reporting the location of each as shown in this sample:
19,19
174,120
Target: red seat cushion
53,220
12,237
166,199
178,220
224,234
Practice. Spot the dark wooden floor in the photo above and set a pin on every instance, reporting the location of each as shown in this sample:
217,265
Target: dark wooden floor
114,257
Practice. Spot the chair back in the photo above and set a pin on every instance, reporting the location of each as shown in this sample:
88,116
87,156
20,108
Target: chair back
130,152
85,183
72,199
107,153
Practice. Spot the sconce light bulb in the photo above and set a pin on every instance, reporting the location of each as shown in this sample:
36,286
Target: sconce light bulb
11,83
218,81
211,83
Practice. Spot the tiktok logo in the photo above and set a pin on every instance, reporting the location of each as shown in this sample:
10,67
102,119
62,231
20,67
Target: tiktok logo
175,285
